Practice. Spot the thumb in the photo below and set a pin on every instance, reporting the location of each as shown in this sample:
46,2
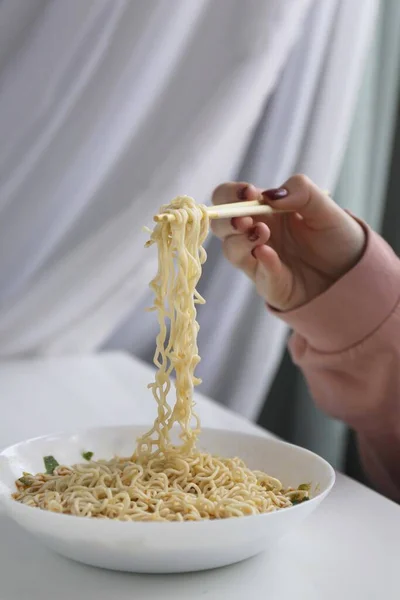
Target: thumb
299,194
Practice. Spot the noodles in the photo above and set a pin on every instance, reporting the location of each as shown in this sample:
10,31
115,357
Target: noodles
164,481
176,297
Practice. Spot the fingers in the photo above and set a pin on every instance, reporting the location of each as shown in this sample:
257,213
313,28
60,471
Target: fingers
238,248
222,228
249,252
300,194
228,193
233,191
269,259
274,279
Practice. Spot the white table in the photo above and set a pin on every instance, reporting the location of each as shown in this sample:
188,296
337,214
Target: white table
349,549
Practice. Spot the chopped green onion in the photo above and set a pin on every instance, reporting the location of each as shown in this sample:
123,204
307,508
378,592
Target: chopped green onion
25,481
306,487
298,499
50,464
87,455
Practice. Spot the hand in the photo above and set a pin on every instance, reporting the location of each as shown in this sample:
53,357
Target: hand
292,257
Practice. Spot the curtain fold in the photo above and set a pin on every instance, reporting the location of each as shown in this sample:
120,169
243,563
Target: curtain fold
109,110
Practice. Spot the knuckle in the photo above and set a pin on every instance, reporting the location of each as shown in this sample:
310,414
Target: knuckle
300,180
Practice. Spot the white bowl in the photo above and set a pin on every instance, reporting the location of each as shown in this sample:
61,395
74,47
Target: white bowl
166,547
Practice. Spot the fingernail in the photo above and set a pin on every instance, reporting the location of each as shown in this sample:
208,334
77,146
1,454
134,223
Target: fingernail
233,223
242,192
253,236
276,193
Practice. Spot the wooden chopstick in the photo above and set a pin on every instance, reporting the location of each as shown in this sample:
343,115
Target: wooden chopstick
228,211
234,209
241,209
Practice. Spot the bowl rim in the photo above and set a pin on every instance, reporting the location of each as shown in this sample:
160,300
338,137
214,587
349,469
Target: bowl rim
7,501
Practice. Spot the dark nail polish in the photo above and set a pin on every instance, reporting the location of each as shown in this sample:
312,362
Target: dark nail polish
253,236
276,194
233,224
242,192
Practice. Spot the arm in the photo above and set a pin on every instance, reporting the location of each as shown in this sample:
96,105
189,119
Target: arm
337,284
347,342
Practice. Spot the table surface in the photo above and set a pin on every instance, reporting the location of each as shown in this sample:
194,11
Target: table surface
349,548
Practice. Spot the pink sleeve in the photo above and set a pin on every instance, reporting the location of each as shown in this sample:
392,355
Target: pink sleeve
347,342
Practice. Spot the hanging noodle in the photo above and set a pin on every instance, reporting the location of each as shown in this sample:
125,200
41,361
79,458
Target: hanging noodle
164,481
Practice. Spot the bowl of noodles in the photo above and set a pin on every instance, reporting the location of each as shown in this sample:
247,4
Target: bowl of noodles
95,510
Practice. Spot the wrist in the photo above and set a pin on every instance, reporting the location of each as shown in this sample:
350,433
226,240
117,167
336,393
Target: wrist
310,281
355,305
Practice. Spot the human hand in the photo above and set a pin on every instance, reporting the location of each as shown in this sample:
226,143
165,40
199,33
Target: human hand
295,256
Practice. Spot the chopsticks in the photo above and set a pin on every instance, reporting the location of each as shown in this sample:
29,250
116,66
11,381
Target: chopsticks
235,209
228,211
241,209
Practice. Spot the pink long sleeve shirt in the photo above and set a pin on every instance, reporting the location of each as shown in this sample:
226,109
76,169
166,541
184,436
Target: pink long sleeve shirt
347,342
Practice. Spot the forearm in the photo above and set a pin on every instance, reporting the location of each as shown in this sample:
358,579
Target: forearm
361,387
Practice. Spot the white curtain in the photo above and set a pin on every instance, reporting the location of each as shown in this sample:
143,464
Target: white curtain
108,108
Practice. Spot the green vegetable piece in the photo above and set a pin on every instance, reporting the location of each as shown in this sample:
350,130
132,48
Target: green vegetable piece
298,500
306,487
25,481
50,464
87,455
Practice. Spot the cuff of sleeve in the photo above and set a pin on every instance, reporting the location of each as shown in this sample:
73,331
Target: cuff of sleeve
353,307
